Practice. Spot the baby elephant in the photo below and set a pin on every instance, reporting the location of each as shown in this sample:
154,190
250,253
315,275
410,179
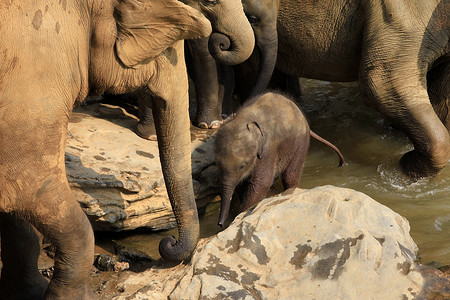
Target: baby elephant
268,136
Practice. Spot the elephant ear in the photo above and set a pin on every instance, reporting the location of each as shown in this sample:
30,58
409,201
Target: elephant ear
145,28
254,128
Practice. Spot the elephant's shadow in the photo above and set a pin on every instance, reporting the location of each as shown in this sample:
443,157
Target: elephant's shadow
121,110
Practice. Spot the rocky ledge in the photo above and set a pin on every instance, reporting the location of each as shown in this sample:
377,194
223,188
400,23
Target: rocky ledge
116,175
323,243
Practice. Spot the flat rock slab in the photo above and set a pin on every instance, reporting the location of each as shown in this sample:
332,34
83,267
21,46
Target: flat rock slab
323,243
116,175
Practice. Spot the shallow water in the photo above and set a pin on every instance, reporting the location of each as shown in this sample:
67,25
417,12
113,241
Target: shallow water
372,149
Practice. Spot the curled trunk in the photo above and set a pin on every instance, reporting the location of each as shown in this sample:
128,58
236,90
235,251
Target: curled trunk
172,127
228,45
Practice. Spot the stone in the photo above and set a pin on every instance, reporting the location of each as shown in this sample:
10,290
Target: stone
116,175
322,243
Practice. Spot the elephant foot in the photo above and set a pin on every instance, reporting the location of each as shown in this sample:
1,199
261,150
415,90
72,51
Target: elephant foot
147,132
417,166
213,125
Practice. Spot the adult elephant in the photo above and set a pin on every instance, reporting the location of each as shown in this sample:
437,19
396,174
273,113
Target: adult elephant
399,52
53,55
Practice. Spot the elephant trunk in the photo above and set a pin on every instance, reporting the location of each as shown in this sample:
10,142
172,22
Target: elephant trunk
226,196
232,48
172,127
268,46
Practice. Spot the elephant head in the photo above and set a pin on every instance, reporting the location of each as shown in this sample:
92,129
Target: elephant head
262,15
238,147
232,40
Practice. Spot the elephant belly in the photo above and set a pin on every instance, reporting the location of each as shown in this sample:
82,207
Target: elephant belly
319,42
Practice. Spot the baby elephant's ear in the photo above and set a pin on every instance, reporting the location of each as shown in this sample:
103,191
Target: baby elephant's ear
256,129
145,28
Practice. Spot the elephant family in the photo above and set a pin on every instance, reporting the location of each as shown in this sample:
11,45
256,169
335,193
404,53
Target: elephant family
55,53
267,137
399,51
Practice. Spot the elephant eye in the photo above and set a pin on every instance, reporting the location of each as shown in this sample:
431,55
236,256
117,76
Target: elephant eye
209,2
242,167
253,20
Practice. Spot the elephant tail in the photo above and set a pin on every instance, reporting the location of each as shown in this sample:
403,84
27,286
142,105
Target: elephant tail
335,149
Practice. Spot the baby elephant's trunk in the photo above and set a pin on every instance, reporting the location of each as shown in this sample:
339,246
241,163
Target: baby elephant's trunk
224,212
322,140
227,195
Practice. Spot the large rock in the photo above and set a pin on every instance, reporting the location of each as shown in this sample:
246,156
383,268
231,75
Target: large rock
116,175
323,243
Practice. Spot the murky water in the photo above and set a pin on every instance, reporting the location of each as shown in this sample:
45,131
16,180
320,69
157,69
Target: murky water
372,148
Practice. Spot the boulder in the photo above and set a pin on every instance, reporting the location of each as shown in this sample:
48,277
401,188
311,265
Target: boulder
116,175
322,243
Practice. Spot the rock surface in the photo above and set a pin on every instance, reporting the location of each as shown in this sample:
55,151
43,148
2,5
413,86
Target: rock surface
116,175
323,243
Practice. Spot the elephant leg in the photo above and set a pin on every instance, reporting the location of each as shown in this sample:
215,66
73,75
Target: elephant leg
20,248
66,226
203,70
34,186
226,88
285,83
396,85
245,77
171,114
259,183
438,83
407,104
241,191
146,125
293,172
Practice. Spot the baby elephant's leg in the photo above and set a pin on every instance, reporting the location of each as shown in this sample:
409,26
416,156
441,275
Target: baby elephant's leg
259,183
293,172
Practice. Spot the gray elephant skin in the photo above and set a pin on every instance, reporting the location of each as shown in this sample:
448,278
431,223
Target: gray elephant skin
55,53
268,136
399,52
